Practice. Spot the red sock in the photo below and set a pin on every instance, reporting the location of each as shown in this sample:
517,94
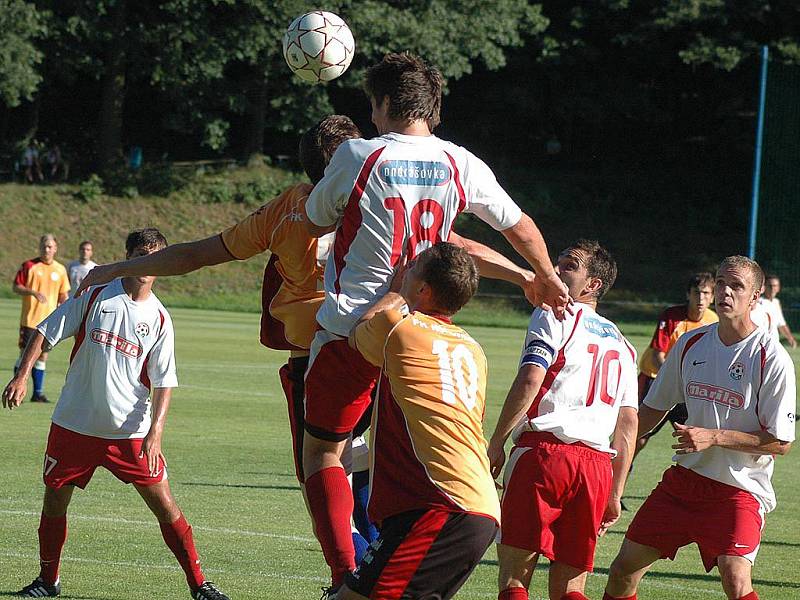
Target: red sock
52,535
751,596
178,536
607,596
574,596
513,593
331,502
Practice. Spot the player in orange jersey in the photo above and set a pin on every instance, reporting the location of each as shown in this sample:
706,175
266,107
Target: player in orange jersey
431,487
43,284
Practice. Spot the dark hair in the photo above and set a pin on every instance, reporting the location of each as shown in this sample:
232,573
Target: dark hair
599,263
698,280
769,276
414,88
452,275
84,242
320,142
147,238
742,262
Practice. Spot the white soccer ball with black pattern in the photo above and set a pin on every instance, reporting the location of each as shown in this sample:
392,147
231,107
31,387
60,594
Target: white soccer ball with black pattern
318,46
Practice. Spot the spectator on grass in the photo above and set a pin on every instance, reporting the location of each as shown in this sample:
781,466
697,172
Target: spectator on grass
78,269
30,160
54,162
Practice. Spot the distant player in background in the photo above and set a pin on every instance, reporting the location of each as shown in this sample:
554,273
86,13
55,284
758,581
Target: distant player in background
739,389
111,413
575,389
673,322
43,284
431,488
388,198
78,269
769,313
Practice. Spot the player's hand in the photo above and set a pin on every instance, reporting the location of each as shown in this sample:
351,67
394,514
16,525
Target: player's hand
497,456
151,448
40,297
14,393
550,293
399,274
528,288
692,439
99,275
792,342
610,516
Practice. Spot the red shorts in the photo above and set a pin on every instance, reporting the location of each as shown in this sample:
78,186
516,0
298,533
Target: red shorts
554,498
339,384
686,507
71,459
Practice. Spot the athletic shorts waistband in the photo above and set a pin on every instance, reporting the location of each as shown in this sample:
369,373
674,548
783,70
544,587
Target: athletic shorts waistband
534,439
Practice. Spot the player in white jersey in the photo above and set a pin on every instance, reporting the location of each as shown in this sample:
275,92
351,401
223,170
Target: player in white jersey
106,415
388,199
739,389
576,387
768,312
78,268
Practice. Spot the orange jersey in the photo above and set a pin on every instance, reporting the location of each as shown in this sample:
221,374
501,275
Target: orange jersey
428,449
291,294
673,322
51,280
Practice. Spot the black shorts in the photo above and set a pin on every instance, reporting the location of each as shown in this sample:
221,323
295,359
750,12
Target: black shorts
25,335
422,555
677,414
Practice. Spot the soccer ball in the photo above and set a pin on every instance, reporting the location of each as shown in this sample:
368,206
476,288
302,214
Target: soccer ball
318,46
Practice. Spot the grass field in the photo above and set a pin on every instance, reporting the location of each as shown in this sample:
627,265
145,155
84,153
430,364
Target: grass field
227,442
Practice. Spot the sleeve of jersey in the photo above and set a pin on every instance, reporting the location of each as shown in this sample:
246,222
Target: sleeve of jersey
250,236
64,283
327,201
65,320
21,278
777,397
667,389
486,198
371,335
161,362
629,384
660,341
542,340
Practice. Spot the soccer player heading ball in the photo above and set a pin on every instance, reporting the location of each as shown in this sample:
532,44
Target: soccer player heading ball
111,412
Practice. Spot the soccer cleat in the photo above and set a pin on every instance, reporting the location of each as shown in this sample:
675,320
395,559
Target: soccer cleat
39,398
39,589
208,591
329,593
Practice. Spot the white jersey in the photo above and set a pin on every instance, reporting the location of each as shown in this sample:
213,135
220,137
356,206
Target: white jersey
769,314
747,386
591,374
77,271
122,350
394,196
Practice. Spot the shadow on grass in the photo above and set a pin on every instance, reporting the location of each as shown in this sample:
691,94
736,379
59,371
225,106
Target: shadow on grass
293,488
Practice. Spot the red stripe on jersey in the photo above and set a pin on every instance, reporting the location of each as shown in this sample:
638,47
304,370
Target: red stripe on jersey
143,376
351,220
405,560
692,341
763,357
553,371
273,331
462,197
395,460
82,329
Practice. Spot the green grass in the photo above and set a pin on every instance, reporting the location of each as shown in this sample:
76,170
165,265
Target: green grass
227,442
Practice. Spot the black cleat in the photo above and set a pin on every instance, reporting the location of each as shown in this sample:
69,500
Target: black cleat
39,589
39,398
208,591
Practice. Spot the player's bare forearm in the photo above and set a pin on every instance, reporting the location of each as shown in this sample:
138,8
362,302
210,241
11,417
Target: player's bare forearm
491,263
22,290
658,359
787,334
624,442
14,392
158,411
649,418
526,239
519,399
696,439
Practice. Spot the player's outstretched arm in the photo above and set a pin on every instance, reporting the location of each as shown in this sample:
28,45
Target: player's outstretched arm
550,292
696,439
151,446
624,442
520,397
494,265
15,391
178,259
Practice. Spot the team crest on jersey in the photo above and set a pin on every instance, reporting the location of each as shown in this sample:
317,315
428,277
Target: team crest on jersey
55,276
736,371
414,172
142,329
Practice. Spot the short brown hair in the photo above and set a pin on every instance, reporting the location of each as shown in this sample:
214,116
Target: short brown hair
452,275
413,86
599,263
748,264
698,280
85,243
147,238
320,142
